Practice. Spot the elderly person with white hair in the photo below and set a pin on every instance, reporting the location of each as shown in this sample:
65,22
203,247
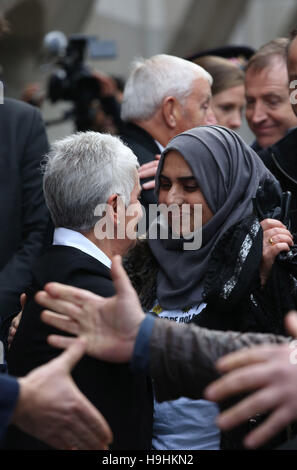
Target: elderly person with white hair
163,96
84,174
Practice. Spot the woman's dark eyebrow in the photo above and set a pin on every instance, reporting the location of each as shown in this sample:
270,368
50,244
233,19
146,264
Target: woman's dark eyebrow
181,178
187,178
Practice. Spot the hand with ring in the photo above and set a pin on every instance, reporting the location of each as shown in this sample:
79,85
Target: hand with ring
276,238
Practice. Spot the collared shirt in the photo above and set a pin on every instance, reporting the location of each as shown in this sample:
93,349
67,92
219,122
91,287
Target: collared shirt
196,428
67,237
159,145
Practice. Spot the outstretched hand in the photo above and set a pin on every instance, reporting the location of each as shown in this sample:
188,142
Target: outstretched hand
110,325
51,408
270,373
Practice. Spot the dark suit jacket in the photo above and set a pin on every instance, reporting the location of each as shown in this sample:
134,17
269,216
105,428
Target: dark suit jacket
145,148
24,221
9,389
122,397
281,160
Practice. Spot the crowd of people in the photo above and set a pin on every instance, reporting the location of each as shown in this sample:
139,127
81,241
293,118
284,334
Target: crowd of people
156,346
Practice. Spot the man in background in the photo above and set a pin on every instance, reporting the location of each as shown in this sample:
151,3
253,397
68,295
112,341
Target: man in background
163,96
268,108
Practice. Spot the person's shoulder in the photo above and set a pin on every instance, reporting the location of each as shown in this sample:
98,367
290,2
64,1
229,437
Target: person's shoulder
140,142
18,107
72,266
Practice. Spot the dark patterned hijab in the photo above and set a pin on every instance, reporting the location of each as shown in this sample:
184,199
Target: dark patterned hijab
228,173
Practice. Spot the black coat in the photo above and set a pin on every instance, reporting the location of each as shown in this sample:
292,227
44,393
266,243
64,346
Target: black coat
145,148
25,222
281,160
122,397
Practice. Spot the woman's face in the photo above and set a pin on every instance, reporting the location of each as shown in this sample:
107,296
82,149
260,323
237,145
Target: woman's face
228,106
178,186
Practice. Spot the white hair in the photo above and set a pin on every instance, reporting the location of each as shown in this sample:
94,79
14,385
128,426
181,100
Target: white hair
82,171
151,80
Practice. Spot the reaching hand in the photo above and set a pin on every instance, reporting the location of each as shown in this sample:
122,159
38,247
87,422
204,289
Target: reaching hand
149,170
16,321
51,408
110,325
270,371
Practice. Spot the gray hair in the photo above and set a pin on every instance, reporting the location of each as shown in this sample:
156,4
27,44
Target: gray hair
151,80
82,171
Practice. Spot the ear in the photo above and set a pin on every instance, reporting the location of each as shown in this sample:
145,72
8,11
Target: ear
112,208
171,111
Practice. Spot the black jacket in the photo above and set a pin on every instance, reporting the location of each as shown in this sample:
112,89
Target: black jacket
145,148
25,222
281,160
122,397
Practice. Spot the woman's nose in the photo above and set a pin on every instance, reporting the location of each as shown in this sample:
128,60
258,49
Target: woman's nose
174,196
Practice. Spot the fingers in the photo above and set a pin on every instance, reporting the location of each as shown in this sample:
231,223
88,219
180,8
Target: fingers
278,234
149,185
277,237
60,322
120,279
11,335
79,436
271,223
13,327
271,426
70,293
75,440
275,232
98,430
238,381
291,323
258,403
59,306
69,358
23,298
148,170
246,356
82,426
60,342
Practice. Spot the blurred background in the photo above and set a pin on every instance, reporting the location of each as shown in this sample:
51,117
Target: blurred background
137,28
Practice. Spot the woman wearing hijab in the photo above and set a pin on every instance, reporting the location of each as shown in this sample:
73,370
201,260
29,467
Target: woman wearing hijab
225,283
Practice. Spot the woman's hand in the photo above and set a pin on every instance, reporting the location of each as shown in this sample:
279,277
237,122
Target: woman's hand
276,238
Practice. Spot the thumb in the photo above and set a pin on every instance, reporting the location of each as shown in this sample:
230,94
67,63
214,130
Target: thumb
23,298
119,276
291,323
69,358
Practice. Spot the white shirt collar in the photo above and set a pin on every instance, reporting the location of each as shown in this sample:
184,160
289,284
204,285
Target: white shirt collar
160,146
66,237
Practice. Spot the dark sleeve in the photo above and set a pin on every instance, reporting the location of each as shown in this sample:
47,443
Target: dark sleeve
36,227
9,390
112,107
182,357
141,353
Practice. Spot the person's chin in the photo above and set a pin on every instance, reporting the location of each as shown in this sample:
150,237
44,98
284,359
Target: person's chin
268,139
